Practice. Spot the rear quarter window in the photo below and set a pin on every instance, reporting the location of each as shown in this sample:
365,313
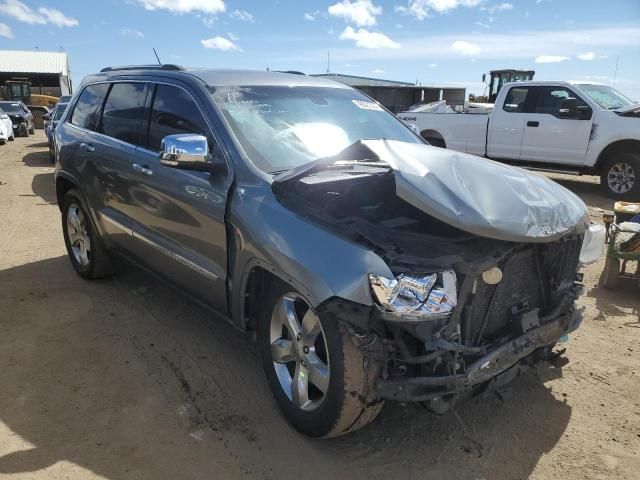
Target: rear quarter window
86,112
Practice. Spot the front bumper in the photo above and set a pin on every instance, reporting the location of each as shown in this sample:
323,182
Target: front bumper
490,365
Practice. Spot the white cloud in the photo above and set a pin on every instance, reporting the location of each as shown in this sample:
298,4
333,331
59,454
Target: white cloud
5,31
242,15
521,45
309,16
366,39
232,37
483,25
23,13
498,7
421,9
465,48
587,56
432,65
551,59
57,18
184,6
130,32
377,70
360,12
220,43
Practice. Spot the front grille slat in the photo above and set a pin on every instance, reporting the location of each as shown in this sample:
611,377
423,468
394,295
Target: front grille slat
520,288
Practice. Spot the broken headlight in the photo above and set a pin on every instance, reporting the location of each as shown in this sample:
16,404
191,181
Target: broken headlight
422,294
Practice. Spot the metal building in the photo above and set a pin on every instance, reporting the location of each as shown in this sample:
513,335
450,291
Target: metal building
48,72
399,96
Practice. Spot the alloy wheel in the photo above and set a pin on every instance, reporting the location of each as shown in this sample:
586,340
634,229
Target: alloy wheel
78,235
621,177
299,352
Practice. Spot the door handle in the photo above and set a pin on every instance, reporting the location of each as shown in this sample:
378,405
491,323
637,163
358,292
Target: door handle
533,124
87,147
142,169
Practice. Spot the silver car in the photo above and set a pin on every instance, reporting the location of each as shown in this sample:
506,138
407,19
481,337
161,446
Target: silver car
370,265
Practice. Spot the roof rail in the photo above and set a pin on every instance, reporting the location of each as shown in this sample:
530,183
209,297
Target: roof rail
292,72
166,66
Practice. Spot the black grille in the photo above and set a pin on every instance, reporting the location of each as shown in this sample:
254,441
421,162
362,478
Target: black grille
522,287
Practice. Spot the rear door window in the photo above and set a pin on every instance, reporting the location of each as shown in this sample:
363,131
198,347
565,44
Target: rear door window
122,110
86,112
174,111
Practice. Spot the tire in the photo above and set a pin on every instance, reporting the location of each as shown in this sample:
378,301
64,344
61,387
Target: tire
349,401
25,132
13,137
97,263
32,130
436,142
620,176
611,273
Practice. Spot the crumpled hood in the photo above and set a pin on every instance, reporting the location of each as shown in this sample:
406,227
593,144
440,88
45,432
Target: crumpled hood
477,195
481,196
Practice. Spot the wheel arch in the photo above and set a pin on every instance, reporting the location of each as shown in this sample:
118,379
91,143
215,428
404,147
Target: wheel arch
63,185
627,145
434,137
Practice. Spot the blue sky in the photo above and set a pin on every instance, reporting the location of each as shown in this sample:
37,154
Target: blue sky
432,41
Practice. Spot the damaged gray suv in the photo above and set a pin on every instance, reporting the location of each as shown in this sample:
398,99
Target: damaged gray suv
370,265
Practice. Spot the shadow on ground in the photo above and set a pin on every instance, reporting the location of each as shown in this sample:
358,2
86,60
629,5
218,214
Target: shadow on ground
37,159
128,378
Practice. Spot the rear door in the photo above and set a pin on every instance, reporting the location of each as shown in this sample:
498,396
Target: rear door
550,137
178,215
506,126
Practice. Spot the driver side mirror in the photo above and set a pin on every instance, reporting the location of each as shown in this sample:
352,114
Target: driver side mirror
185,151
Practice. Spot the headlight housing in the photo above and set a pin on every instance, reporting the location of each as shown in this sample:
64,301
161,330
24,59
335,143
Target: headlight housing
416,294
593,244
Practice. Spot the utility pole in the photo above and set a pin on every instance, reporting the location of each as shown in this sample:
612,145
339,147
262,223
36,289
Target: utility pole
615,73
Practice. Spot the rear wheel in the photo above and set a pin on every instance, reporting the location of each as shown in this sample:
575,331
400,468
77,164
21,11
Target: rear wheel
86,251
620,177
321,381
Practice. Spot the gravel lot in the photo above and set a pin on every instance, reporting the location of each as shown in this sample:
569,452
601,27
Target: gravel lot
124,378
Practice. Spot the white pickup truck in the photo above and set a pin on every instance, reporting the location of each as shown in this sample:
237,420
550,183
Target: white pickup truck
559,126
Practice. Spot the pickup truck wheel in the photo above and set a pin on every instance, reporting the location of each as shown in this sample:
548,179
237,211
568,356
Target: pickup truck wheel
321,381
620,176
87,253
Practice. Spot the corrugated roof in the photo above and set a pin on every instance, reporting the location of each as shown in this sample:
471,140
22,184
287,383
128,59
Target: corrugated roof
33,62
357,81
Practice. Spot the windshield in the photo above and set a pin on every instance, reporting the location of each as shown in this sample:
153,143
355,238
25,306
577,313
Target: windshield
284,127
605,96
11,107
59,111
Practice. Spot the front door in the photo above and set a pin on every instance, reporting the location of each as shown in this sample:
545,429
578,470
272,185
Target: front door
178,215
550,137
507,124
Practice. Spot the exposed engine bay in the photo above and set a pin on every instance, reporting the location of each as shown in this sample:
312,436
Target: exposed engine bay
498,321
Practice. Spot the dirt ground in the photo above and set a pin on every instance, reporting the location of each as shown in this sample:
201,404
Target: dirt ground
126,379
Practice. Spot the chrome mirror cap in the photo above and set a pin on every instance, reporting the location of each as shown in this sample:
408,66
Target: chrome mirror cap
184,150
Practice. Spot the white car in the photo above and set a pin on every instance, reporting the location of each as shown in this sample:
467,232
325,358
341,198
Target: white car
6,128
559,126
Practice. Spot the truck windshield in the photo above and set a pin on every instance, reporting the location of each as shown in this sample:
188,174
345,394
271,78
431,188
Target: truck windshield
283,127
605,96
9,107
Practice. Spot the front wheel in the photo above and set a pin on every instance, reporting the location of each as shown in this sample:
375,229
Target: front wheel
321,381
620,177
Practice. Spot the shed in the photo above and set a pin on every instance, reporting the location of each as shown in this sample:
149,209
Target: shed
48,72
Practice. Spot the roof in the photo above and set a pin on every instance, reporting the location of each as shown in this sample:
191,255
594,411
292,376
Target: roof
356,81
20,61
221,77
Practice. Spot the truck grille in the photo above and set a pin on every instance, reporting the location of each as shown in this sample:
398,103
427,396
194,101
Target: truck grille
521,288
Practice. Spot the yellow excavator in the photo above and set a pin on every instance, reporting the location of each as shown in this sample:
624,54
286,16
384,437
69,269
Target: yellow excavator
20,90
497,78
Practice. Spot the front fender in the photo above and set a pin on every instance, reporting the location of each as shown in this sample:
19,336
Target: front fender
315,261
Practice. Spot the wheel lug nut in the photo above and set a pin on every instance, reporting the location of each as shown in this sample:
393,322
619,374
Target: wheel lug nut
305,349
299,337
